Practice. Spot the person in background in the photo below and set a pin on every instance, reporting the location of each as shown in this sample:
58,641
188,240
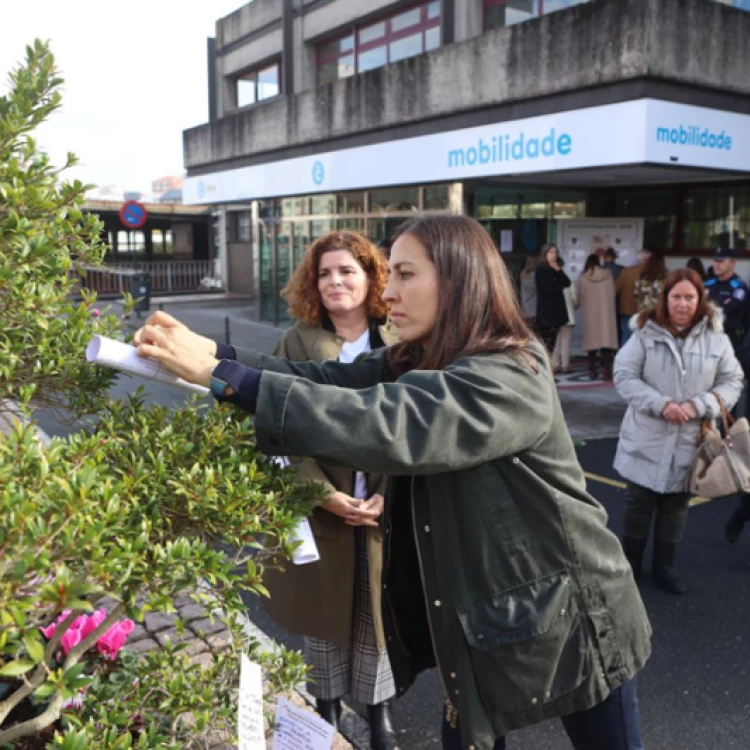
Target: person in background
596,298
697,265
650,282
527,284
668,373
499,568
729,293
335,297
561,353
627,306
611,264
551,312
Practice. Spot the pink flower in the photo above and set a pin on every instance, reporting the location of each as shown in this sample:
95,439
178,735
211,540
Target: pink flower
89,623
71,638
113,640
49,631
95,313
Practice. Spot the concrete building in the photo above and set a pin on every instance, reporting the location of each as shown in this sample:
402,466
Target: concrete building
586,122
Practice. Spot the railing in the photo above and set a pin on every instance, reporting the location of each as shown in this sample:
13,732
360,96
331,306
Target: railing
167,277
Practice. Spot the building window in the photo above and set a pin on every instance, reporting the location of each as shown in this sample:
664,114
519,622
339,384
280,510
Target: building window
404,34
716,217
240,223
161,241
258,84
131,241
500,13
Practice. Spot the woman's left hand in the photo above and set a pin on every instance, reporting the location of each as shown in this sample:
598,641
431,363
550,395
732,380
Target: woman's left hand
689,408
367,513
176,348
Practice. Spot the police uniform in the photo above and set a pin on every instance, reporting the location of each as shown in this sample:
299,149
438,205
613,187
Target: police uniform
731,297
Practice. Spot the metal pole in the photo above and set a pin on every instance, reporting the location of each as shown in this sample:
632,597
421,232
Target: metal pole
227,335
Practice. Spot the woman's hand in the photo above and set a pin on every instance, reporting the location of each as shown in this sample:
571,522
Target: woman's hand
688,407
355,512
174,345
675,413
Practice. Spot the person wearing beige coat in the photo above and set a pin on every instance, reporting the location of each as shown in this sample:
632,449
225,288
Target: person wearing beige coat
335,295
596,299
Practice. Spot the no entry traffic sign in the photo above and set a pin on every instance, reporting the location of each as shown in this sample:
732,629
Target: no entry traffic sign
133,214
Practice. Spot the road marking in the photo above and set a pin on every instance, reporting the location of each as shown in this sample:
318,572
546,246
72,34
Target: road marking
621,486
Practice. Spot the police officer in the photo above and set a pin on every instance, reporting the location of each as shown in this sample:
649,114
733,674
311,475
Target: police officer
729,292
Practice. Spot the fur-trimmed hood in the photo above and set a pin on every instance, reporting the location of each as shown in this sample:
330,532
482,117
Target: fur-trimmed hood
715,320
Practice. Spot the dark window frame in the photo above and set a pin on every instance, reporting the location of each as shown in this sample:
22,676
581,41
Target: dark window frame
425,23
252,74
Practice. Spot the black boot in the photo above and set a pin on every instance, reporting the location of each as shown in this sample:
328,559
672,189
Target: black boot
634,549
330,711
665,571
382,733
593,363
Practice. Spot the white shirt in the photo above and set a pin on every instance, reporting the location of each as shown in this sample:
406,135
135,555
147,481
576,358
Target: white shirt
349,351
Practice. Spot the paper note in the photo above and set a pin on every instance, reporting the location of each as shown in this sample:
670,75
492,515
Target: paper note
307,552
299,729
121,356
506,240
250,711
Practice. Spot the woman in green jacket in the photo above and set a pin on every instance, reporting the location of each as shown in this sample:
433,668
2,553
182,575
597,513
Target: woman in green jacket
498,566
336,298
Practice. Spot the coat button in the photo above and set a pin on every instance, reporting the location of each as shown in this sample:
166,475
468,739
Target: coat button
516,460
438,603
427,529
453,675
562,612
534,701
456,692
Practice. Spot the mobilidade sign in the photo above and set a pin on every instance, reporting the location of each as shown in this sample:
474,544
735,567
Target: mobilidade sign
643,131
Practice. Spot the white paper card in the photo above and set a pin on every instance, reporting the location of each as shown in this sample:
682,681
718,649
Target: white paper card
506,240
250,728
299,729
121,356
307,552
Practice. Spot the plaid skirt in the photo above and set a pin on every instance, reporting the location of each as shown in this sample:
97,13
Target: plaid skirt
361,670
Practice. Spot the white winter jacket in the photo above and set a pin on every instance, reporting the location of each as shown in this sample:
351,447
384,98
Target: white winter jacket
649,373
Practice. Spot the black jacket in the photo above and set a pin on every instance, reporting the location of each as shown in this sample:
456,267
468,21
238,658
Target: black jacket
551,307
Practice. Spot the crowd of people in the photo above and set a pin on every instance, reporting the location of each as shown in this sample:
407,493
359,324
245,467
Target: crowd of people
458,532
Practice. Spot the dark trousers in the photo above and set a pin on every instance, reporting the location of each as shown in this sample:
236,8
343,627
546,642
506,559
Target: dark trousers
547,333
743,509
613,724
642,504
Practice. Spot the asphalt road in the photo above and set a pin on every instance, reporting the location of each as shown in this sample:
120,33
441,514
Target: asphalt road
695,690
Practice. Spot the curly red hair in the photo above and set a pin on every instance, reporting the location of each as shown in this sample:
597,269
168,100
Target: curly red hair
302,292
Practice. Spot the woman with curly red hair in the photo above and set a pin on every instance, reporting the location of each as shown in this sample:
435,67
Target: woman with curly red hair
335,296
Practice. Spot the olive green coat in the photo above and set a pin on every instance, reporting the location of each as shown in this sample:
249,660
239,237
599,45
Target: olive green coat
317,599
495,556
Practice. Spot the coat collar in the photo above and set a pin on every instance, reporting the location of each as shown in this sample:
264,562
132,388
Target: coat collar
713,321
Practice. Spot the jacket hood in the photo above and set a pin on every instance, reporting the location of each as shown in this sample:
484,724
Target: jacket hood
714,321
599,274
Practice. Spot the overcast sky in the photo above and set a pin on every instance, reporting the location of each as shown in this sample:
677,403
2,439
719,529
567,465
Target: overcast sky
135,78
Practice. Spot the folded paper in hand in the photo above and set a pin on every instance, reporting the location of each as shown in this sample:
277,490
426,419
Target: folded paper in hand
120,356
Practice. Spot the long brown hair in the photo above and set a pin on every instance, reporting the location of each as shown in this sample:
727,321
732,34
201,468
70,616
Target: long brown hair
478,310
301,292
655,268
660,313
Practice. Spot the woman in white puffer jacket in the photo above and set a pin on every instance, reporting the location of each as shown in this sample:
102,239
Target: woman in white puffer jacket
668,371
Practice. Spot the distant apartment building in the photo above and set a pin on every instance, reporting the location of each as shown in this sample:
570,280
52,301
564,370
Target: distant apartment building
526,114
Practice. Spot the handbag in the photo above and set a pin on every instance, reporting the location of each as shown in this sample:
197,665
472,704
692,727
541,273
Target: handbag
721,466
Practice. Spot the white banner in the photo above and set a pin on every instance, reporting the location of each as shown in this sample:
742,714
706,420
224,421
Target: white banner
634,132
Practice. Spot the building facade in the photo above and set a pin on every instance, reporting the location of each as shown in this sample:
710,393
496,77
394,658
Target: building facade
548,120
